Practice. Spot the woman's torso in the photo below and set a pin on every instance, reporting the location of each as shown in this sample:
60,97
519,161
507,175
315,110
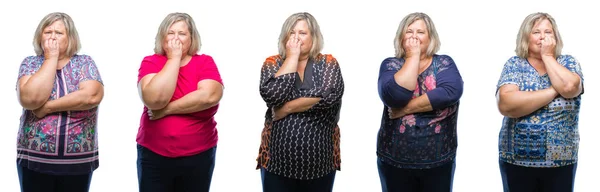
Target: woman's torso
420,140
549,136
302,145
63,142
181,134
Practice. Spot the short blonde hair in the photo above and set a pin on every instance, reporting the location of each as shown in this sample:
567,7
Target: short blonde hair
163,29
73,37
434,40
313,26
522,48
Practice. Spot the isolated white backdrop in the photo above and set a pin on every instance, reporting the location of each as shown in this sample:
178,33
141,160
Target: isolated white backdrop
479,36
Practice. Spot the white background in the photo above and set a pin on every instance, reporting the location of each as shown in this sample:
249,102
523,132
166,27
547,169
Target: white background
479,36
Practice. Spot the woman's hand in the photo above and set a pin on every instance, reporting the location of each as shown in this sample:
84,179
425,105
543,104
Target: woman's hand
174,49
413,47
51,49
395,113
293,45
41,112
548,46
157,114
279,113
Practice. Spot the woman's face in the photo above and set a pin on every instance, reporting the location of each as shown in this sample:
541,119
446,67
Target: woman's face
180,31
57,32
302,32
541,29
418,30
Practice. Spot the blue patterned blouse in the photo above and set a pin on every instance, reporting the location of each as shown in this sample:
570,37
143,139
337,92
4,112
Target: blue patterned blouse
548,137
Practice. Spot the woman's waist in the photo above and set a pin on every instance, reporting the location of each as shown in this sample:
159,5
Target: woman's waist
413,146
178,148
177,127
411,163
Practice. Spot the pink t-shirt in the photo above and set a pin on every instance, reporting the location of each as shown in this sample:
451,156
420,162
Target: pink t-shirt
186,134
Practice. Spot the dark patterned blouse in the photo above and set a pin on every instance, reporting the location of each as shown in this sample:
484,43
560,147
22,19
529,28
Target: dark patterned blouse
420,140
303,145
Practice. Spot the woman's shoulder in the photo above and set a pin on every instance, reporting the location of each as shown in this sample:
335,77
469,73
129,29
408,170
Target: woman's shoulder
33,59
202,58
155,56
273,59
392,63
154,59
565,57
81,58
393,60
326,58
516,59
444,60
442,57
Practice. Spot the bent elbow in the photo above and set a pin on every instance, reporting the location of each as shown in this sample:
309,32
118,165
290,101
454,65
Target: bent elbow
266,92
155,104
213,100
31,103
154,101
94,101
394,103
455,98
570,90
507,111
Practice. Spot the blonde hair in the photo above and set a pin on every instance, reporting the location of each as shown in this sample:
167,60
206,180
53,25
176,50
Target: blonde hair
434,43
167,23
73,44
522,48
313,26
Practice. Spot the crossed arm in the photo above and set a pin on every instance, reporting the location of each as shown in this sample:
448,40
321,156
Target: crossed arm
88,96
207,95
158,101
280,95
398,99
514,103
35,89
567,83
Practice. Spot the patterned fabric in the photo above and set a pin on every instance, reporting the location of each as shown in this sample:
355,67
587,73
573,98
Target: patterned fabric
420,140
548,137
63,143
303,145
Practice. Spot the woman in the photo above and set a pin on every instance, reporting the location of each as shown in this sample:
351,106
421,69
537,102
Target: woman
60,90
181,91
303,91
539,93
420,90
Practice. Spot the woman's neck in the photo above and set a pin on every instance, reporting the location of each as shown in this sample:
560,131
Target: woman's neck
62,61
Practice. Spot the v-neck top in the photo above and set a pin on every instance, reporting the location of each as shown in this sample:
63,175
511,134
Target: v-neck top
302,145
549,136
62,143
306,82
